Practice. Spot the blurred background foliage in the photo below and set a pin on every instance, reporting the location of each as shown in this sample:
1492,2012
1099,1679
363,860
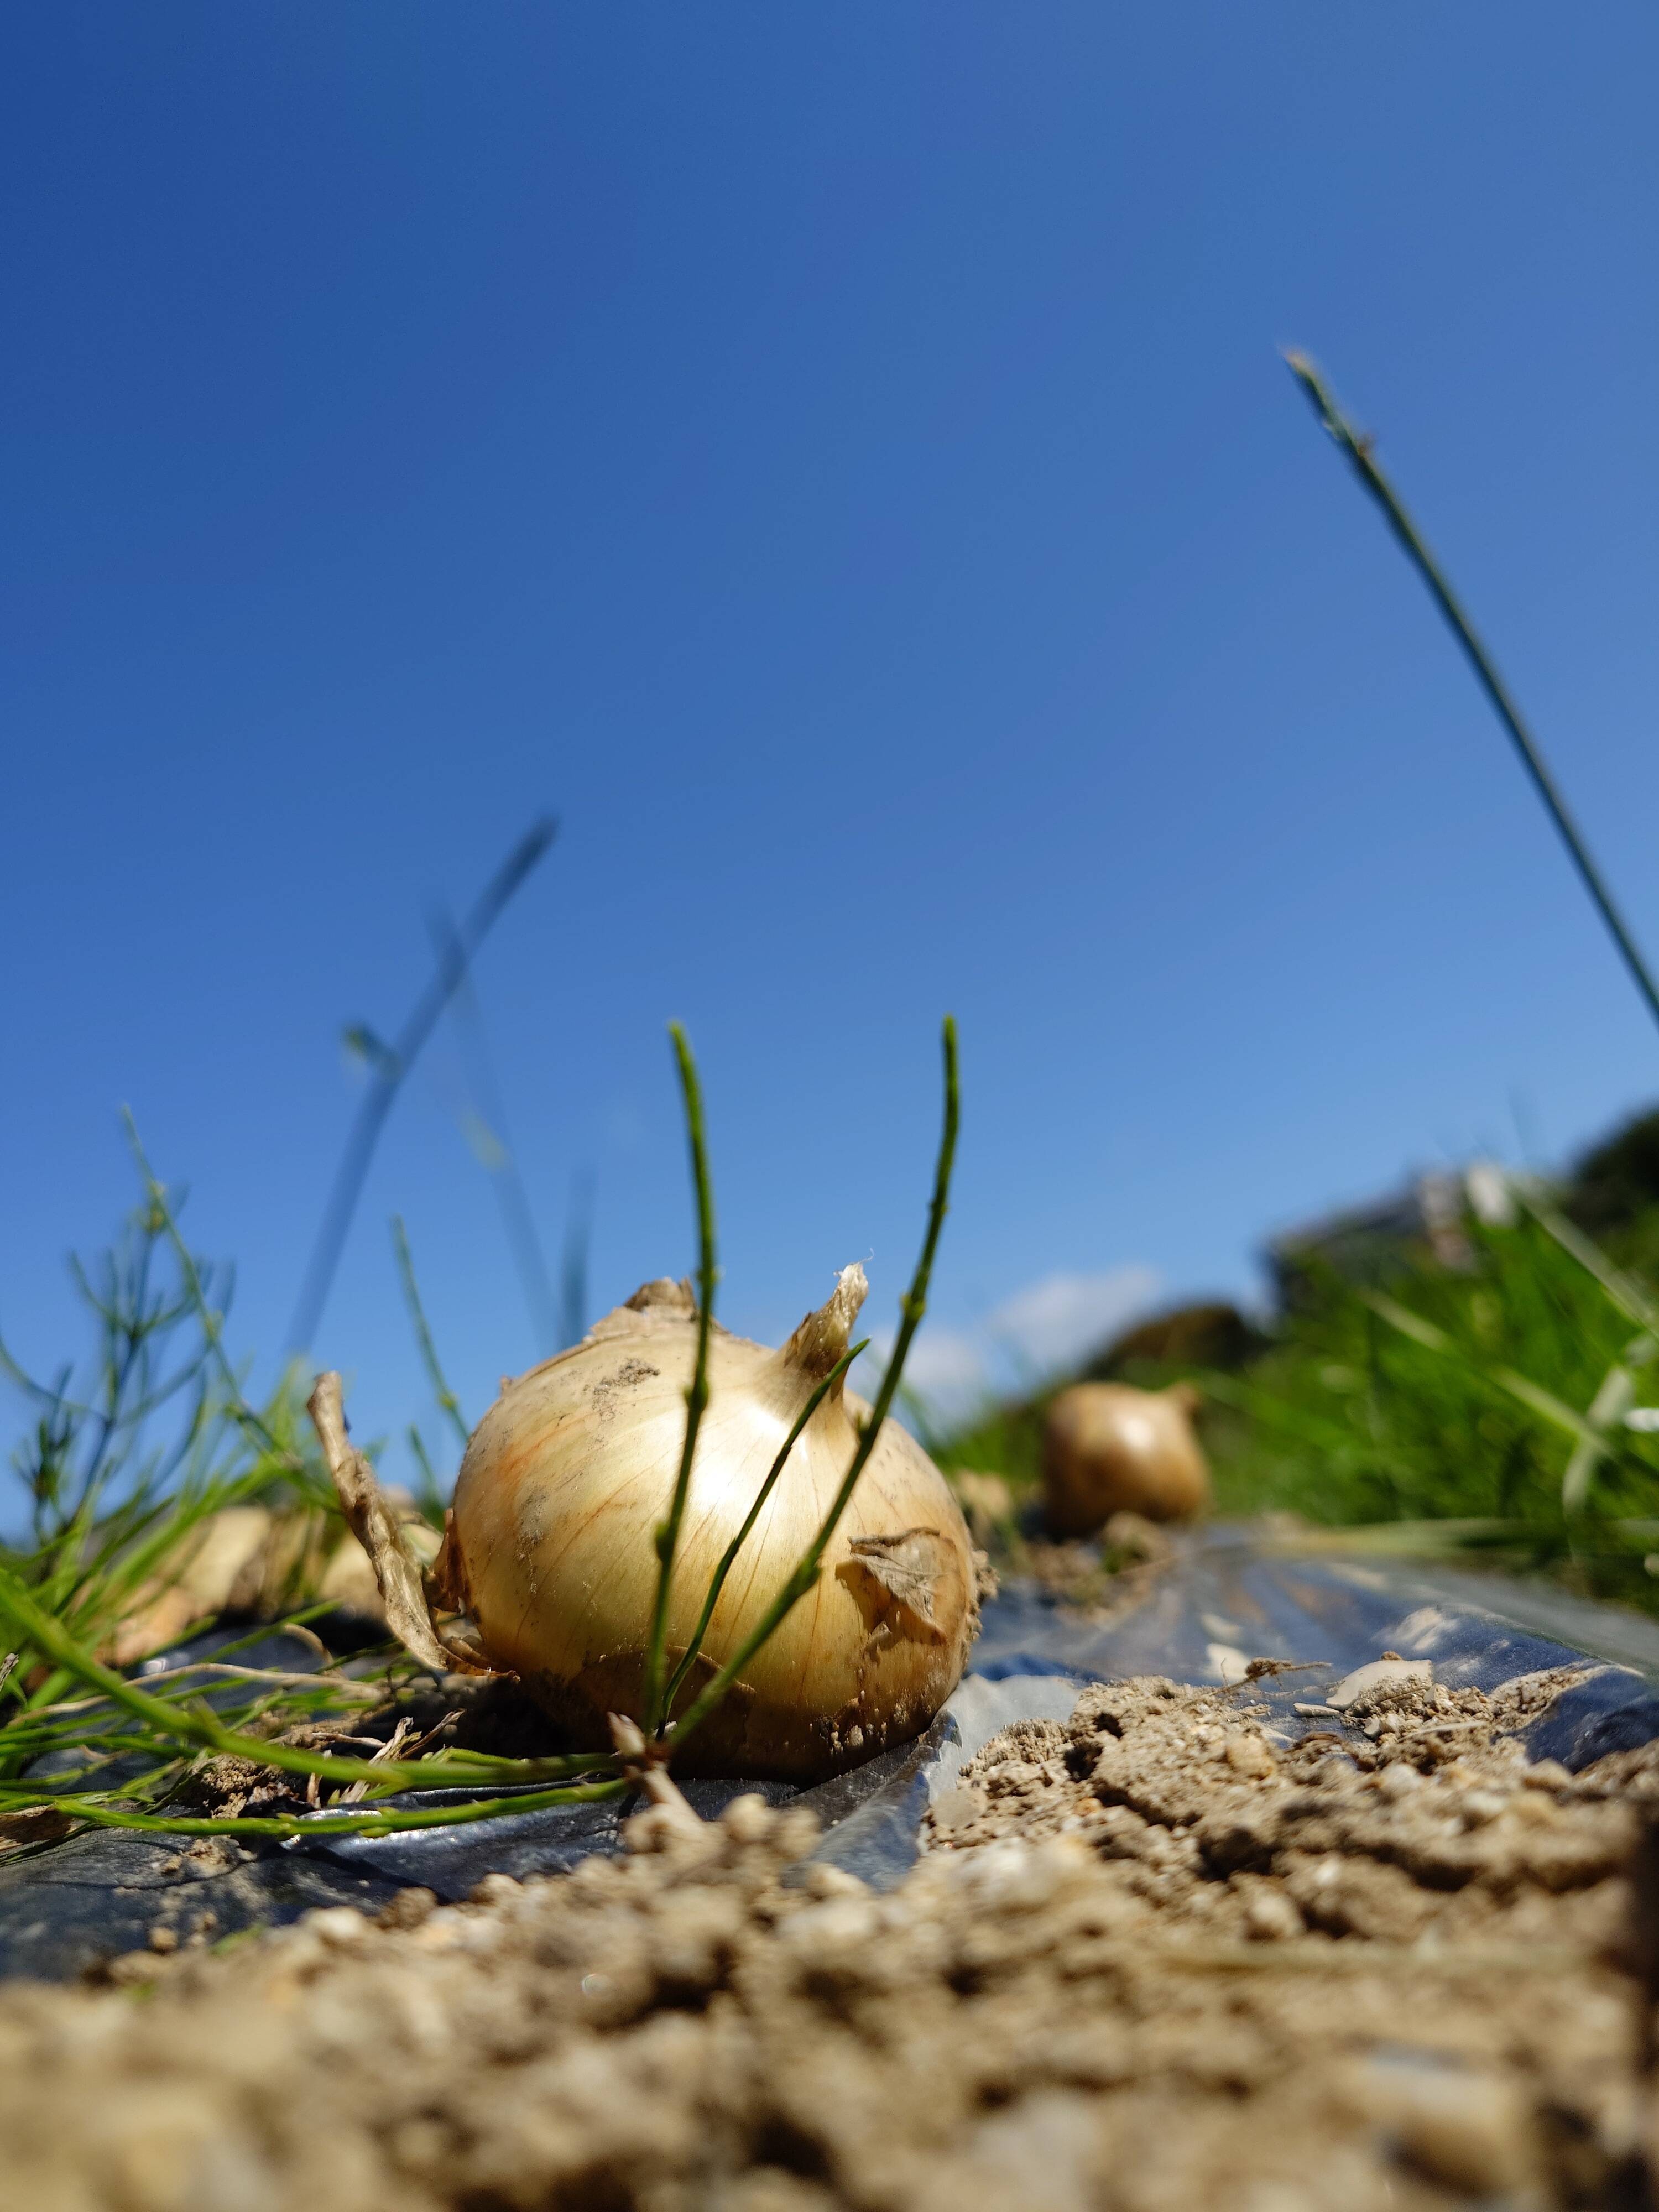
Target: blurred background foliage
1468,1368
1446,1381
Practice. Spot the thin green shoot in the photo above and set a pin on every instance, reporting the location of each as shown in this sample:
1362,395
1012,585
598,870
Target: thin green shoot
366,1820
911,1308
1360,451
203,1730
1625,1292
1547,1407
428,1492
391,1065
211,1324
448,1402
62,1604
728,1558
1605,1414
667,1533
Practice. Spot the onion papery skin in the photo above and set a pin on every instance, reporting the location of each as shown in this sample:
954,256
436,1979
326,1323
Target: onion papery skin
569,1473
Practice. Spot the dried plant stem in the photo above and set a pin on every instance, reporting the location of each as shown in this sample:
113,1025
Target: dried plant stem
667,1536
649,1775
728,1559
912,1307
1358,449
372,1522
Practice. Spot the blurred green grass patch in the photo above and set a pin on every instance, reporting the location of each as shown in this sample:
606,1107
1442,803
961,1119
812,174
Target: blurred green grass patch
1487,1391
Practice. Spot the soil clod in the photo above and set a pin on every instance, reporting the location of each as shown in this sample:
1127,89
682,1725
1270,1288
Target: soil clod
1167,1952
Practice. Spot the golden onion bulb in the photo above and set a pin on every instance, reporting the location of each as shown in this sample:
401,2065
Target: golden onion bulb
549,1546
1108,1448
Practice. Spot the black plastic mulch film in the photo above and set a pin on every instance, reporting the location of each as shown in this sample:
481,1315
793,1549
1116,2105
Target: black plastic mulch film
1222,1601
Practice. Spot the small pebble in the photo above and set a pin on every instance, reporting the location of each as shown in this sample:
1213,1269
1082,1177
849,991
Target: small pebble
494,1889
1379,1672
1465,2129
649,1831
837,1923
409,1909
797,1832
1271,1917
1013,1877
1249,1755
955,1808
1480,1807
1544,1774
163,1939
131,1969
340,1927
1398,1781
822,1880
1537,1808
749,1819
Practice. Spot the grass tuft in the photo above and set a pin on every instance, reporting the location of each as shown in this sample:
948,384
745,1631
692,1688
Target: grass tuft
1477,1408
122,1478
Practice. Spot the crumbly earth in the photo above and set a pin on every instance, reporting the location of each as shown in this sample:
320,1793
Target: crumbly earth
1156,1958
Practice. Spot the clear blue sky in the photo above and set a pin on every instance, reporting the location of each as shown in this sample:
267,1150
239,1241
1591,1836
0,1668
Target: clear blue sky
840,460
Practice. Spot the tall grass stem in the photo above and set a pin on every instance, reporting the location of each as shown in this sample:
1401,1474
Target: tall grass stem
912,1307
697,1396
498,1157
390,1068
1360,450
729,1558
447,1401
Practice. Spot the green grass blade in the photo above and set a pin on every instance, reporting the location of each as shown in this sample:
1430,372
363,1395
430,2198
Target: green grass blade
1360,452
203,1730
667,1536
728,1559
912,1307
448,1402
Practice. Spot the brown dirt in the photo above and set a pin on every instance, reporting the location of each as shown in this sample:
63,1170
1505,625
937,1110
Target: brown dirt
1154,1960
